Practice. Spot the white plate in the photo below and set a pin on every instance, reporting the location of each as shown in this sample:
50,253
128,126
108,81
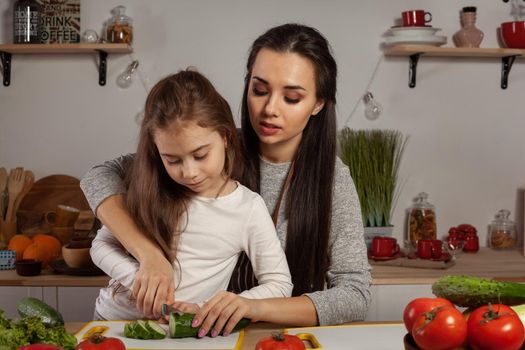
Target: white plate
412,31
434,40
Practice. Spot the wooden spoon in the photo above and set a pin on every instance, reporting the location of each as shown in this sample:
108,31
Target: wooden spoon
15,185
29,180
3,184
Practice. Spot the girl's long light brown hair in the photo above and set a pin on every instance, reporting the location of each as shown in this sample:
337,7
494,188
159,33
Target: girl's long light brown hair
156,201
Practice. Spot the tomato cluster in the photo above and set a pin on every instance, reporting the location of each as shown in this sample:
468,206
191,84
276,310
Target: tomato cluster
435,324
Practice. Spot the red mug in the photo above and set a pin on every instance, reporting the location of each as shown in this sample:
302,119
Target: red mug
415,18
429,248
384,247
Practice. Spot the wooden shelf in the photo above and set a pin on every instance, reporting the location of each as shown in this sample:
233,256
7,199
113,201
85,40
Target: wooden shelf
64,48
415,51
408,50
7,50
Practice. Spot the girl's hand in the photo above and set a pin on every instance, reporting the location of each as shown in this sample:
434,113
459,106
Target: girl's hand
154,286
222,312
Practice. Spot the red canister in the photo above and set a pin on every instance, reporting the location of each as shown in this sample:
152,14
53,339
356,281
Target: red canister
471,243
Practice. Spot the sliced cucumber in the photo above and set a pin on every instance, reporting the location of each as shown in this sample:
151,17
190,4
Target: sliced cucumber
156,331
140,330
128,330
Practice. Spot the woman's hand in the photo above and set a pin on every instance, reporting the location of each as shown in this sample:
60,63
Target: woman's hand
222,312
154,286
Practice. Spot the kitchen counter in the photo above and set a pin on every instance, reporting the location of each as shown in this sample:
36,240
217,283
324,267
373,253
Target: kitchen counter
362,335
487,263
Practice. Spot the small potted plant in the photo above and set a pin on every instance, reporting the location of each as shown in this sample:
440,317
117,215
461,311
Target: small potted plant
373,157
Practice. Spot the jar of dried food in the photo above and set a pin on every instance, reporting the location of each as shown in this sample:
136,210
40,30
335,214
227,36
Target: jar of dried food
421,219
502,231
119,28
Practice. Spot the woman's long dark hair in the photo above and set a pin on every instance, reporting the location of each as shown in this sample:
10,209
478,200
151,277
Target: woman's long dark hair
156,201
309,197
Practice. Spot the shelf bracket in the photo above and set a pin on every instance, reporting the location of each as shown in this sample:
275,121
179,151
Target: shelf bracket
102,67
6,67
506,65
413,69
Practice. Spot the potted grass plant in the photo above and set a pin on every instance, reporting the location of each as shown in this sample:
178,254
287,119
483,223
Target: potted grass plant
373,157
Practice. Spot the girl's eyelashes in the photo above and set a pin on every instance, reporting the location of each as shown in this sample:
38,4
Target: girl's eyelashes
259,92
200,157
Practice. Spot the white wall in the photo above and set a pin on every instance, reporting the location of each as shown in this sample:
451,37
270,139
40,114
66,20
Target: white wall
466,147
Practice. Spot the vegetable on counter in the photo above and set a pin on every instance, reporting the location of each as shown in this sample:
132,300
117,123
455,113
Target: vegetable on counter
280,341
443,328
32,330
99,342
419,306
470,291
180,325
35,307
495,327
144,330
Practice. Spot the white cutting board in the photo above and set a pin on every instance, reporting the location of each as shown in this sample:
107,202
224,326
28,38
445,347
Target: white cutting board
116,329
357,336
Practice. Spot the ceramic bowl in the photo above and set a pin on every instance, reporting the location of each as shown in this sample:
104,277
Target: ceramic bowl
28,267
513,34
76,257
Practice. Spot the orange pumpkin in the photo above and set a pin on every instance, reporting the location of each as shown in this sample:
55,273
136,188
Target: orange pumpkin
51,244
19,243
38,251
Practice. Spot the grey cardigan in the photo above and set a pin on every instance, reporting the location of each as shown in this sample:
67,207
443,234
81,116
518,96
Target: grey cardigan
347,294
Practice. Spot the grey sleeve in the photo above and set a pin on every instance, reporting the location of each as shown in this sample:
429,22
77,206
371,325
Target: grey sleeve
105,180
347,296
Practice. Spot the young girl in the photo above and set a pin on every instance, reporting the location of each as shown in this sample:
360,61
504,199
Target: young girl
180,194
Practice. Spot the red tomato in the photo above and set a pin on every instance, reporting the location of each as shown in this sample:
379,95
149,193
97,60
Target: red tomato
443,328
420,305
99,342
280,341
495,327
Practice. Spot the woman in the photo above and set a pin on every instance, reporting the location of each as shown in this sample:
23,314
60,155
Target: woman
289,139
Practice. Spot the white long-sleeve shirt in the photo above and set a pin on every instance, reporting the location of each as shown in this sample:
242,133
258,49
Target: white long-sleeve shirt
217,231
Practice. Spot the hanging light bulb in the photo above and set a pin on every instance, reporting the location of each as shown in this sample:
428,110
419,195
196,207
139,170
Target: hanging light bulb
373,109
125,79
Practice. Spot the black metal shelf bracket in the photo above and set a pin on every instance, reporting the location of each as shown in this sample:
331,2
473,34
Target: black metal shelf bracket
506,65
413,69
6,67
102,67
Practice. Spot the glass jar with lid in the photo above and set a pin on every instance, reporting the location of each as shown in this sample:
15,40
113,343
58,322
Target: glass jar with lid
421,219
502,231
119,29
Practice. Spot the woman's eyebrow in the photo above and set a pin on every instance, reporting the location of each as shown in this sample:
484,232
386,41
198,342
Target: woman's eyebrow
288,87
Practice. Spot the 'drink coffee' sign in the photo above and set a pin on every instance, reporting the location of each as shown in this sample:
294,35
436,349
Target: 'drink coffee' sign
60,21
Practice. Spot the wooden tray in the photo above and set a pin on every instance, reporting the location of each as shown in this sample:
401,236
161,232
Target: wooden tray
50,191
60,266
416,263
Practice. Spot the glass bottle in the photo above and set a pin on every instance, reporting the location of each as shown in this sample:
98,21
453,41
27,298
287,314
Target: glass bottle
421,219
502,231
119,28
468,35
26,22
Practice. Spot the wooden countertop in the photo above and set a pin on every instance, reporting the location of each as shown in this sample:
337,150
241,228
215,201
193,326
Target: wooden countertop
487,263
